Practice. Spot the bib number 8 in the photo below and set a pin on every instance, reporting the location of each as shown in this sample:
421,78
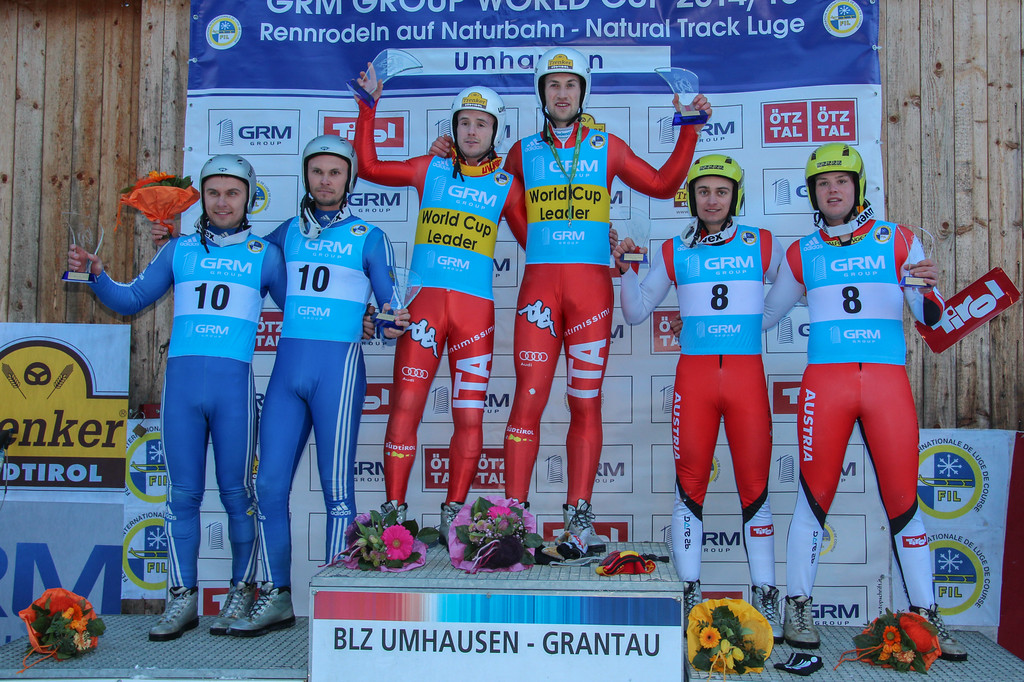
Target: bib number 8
851,300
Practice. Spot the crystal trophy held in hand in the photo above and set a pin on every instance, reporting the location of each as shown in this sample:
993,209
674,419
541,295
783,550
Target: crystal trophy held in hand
685,84
84,237
386,65
407,285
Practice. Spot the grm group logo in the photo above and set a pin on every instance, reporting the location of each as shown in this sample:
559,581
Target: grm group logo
223,31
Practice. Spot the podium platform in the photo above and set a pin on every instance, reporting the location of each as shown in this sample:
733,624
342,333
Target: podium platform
435,599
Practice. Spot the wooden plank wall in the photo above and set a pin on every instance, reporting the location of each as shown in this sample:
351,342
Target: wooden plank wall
92,95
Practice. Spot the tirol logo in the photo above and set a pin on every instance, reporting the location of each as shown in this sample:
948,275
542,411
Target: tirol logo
961,573
65,434
388,131
952,478
223,31
490,469
842,18
145,552
145,464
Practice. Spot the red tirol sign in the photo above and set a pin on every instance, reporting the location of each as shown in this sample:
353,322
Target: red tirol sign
970,309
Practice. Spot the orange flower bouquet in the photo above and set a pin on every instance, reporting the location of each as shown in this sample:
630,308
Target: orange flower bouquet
159,196
728,636
61,624
904,641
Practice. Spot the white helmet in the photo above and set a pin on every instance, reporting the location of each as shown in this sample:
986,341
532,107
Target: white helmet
562,60
335,146
479,98
234,166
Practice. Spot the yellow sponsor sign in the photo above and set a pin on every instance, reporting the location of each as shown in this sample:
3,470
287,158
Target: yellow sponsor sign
456,228
64,433
589,202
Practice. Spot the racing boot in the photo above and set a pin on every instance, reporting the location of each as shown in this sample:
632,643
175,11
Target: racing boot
449,510
691,597
181,614
579,538
766,601
799,629
237,604
271,611
952,650
393,506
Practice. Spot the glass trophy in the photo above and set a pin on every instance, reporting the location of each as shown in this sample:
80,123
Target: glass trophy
84,237
407,285
908,281
386,65
638,228
685,84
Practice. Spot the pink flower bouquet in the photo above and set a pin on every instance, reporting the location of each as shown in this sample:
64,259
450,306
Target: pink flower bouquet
493,534
379,543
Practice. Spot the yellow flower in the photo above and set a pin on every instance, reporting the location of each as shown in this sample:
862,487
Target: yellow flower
725,646
737,653
69,613
709,637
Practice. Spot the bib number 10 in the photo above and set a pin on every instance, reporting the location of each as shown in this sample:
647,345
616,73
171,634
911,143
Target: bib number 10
318,281
218,296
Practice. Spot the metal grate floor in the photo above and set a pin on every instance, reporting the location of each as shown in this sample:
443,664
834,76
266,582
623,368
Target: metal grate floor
126,653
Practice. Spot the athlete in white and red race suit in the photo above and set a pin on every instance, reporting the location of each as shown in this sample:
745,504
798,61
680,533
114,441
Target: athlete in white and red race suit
566,295
462,198
718,268
851,269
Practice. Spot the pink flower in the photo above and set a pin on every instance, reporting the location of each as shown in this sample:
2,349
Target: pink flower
398,542
497,510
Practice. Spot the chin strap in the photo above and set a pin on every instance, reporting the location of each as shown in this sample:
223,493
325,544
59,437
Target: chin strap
862,215
695,235
309,226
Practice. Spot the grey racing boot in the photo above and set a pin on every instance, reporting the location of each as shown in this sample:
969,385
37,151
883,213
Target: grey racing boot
766,601
181,614
799,629
237,604
952,650
448,513
271,611
579,538
393,506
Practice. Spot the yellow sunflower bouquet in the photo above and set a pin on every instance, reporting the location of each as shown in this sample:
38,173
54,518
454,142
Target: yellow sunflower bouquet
728,636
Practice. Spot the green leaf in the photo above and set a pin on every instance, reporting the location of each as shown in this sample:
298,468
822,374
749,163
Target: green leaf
413,557
462,533
528,559
533,540
412,527
394,563
96,627
427,535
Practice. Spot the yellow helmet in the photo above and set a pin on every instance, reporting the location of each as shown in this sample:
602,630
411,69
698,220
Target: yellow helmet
835,156
719,165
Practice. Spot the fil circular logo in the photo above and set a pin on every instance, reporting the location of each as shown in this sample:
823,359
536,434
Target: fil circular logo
843,18
950,481
262,198
146,468
959,576
145,552
829,538
223,32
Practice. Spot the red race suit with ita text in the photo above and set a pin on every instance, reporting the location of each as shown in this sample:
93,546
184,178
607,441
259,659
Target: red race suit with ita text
856,374
453,253
566,296
719,280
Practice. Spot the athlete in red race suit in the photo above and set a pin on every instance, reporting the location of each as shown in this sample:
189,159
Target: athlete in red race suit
851,269
718,268
453,253
566,296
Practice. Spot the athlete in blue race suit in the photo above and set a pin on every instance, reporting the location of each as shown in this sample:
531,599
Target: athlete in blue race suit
319,379
220,275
